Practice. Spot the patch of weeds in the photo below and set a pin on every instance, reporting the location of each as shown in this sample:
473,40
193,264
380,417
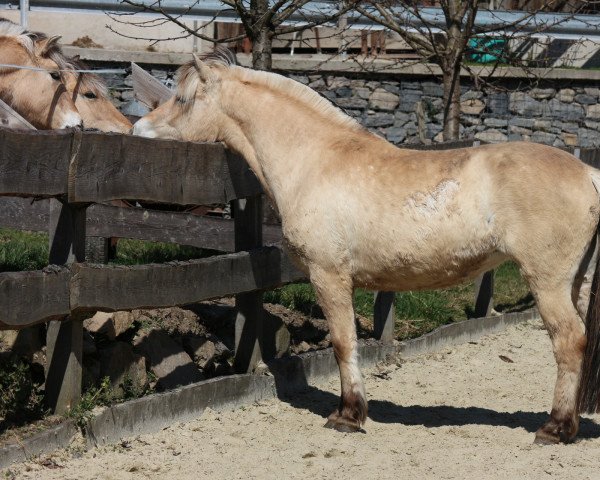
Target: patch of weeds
21,397
94,397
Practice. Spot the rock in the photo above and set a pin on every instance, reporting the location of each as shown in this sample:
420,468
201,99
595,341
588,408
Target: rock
109,325
125,369
134,108
351,102
495,122
570,139
383,100
89,346
471,95
566,95
540,124
408,99
391,87
497,103
522,122
299,78
491,136
127,95
585,99
543,137
395,134
206,351
362,92
542,93
588,138
523,104
472,107
593,91
22,343
379,120
302,347
467,120
338,82
519,130
565,111
593,112
431,89
168,361
343,92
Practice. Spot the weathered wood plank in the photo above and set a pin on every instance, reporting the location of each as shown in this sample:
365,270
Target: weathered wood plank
137,223
24,214
33,297
102,287
171,227
34,163
112,167
147,89
11,119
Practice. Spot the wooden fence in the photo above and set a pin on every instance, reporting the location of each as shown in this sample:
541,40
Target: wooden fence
57,181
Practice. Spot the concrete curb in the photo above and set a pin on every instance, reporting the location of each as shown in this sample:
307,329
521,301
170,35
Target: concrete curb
58,436
291,374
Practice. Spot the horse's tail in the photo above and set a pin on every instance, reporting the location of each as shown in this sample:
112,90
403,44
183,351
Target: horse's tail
589,383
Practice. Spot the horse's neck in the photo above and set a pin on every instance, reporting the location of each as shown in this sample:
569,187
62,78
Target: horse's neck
282,141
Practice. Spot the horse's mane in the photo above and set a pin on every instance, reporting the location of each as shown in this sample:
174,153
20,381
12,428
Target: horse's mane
28,39
187,83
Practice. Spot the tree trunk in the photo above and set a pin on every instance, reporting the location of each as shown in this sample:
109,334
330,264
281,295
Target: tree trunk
262,46
261,35
451,81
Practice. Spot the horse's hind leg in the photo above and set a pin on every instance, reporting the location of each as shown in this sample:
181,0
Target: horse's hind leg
334,293
568,341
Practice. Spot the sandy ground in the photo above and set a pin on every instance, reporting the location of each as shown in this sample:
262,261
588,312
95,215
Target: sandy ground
462,413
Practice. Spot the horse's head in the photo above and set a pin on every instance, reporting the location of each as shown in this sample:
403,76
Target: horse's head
195,112
37,93
91,97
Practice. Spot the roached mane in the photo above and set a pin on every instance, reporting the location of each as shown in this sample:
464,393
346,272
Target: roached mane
188,82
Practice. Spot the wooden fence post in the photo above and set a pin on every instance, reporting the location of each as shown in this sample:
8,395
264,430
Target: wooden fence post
249,322
383,316
64,338
484,294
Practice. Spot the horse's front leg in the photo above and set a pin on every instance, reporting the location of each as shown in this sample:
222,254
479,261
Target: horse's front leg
334,293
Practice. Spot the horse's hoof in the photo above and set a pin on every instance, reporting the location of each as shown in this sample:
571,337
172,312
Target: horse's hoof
341,424
545,438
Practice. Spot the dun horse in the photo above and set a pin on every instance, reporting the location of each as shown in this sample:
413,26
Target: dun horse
37,95
90,95
427,219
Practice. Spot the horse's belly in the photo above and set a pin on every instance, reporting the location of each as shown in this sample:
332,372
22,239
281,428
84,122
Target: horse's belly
427,275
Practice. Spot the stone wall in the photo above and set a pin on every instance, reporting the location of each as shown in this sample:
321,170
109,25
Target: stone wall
409,110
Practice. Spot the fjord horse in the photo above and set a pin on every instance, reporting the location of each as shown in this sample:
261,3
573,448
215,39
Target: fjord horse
357,211
36,92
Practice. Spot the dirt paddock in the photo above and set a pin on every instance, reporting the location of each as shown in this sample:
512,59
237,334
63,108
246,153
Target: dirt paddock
468,412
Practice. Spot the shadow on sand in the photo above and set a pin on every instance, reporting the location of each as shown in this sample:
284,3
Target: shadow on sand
322,403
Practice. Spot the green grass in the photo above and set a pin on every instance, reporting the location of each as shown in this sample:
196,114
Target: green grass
29,251
22,250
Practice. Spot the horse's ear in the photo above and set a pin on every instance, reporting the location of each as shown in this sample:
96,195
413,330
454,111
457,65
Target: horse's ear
203,69
48,44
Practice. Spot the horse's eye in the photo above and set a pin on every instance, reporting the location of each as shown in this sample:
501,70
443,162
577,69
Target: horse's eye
90,95
55,75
